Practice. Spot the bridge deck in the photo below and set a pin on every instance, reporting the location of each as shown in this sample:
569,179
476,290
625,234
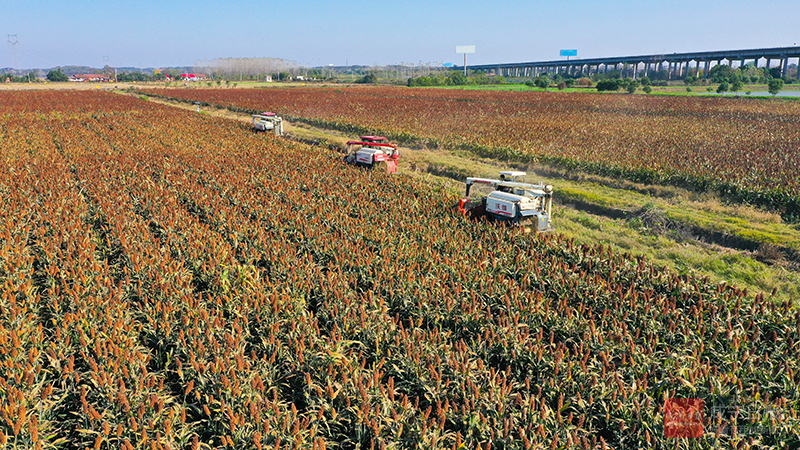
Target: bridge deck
678,60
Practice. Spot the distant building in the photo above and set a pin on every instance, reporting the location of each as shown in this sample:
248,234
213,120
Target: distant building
194,76
90,77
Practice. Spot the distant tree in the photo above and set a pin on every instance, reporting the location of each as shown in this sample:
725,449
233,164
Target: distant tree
456,79
647,89
57,75
569,82
737,86
752,73
110,72
426,81
10,77
127,77
369,78
542,82
661,75
631,86
774,86
723,87
723,73
483,79
609,85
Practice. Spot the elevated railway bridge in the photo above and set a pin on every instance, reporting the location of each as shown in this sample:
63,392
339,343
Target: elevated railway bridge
677,65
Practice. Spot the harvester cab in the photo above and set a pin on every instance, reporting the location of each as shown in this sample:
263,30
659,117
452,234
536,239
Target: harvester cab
268,121
512,201
372,151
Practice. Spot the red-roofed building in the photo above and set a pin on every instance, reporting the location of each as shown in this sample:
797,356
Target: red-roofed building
91,77
194,76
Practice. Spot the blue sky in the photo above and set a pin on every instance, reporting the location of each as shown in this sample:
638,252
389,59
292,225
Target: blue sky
174,33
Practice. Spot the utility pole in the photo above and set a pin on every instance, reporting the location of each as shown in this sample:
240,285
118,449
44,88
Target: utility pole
105,63
13,41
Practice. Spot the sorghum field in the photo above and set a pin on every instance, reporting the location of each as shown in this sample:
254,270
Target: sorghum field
173,281
745,149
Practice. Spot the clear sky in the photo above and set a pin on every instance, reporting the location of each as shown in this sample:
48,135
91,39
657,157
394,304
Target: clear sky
150,33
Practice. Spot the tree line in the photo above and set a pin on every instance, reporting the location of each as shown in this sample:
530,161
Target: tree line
726,77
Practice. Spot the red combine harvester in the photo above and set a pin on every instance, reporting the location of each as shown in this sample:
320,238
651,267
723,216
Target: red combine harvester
372,151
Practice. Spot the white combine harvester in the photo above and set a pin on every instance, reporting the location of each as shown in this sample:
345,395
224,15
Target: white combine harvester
513,201
268,121
372,151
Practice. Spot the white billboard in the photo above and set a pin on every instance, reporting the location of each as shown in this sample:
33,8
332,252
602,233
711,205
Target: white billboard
465,49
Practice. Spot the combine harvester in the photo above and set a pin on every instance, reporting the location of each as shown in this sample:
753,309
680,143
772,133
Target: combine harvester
268,121
372,151
513,201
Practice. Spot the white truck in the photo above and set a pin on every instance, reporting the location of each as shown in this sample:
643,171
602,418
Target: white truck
513,200
268,121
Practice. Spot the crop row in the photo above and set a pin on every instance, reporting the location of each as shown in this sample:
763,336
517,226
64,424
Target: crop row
744,148
165,289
